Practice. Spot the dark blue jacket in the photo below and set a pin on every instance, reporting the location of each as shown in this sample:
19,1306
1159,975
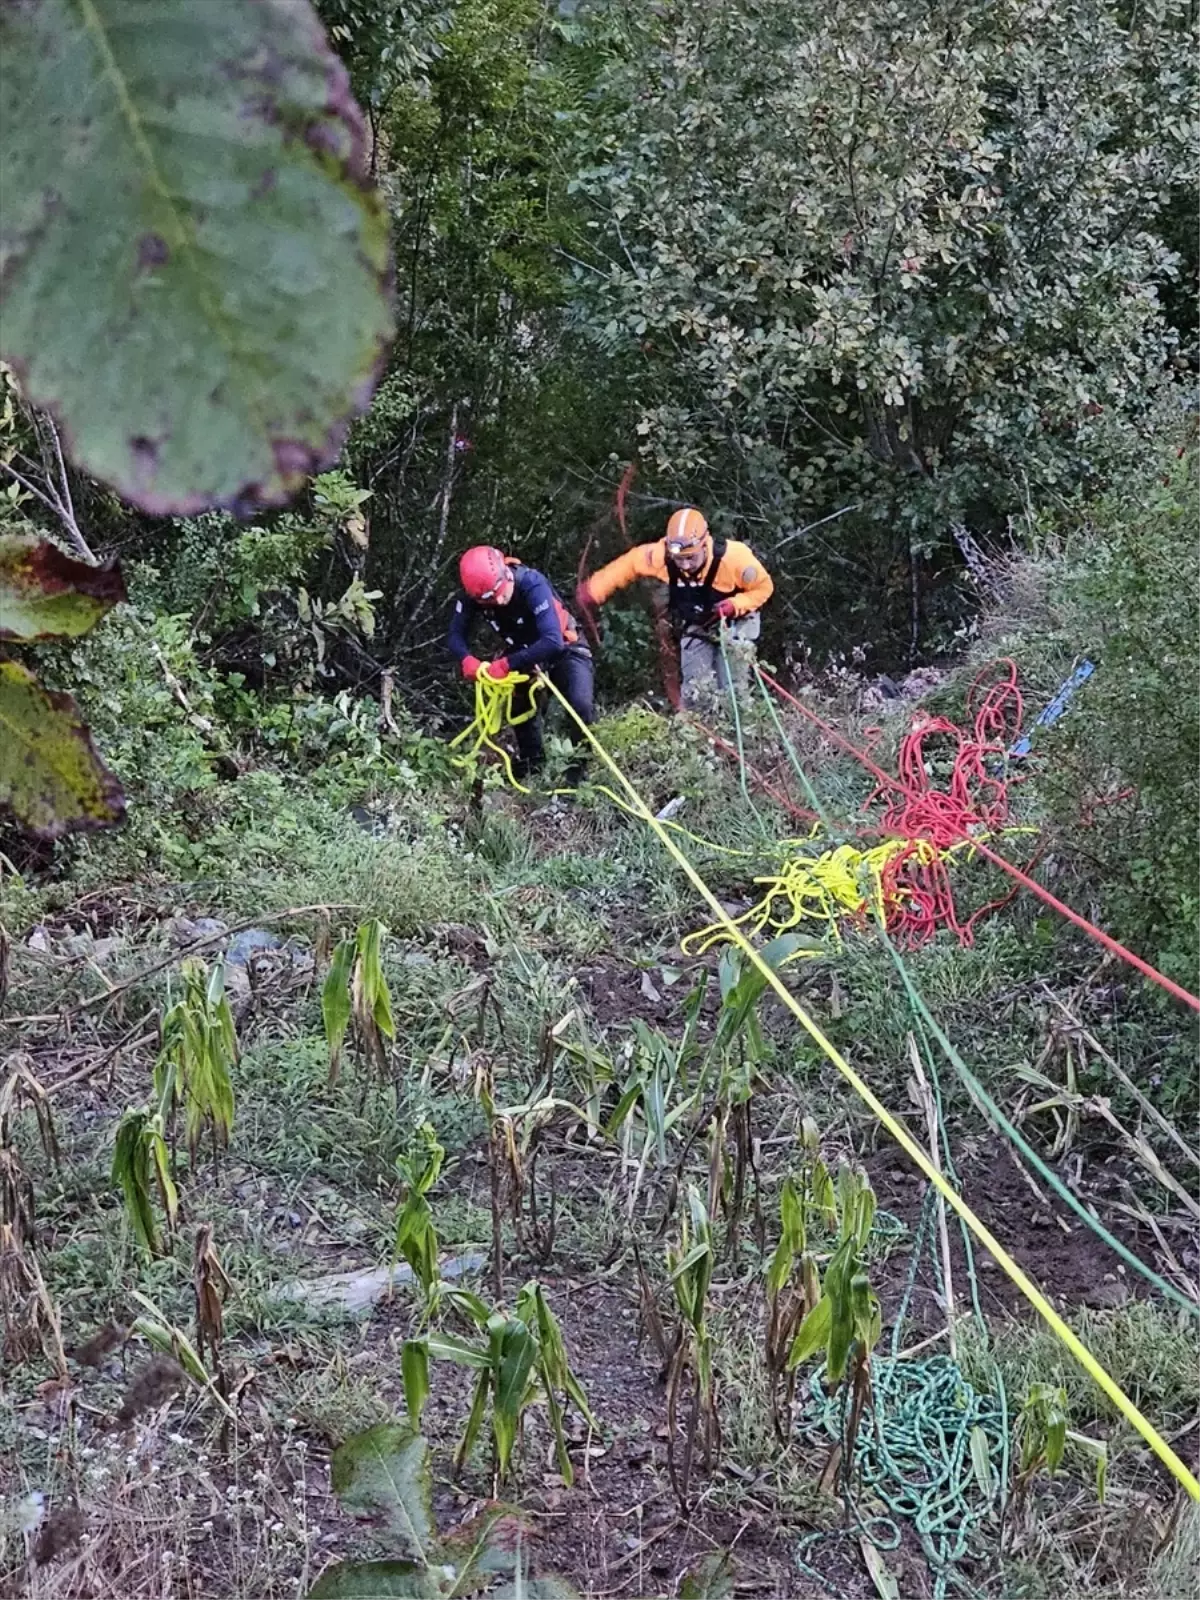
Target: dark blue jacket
531,624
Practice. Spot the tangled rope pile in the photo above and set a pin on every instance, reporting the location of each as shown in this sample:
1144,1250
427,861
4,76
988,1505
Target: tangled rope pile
935,1453
495,711
905,879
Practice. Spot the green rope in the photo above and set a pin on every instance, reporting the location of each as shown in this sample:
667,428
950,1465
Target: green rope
737,727
988,1105
915,1454
814,798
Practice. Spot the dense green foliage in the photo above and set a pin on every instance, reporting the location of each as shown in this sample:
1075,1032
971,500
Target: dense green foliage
899,296
1118,582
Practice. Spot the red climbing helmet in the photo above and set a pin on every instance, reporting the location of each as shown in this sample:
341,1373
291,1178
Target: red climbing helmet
485,575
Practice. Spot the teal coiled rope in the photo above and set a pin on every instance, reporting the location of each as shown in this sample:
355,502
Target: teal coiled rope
914,1453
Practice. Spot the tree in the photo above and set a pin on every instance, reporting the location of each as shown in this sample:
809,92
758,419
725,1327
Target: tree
895,258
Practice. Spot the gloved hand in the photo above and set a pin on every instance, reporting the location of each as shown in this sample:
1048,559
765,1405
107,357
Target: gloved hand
470,666
584,598
497,668
724,611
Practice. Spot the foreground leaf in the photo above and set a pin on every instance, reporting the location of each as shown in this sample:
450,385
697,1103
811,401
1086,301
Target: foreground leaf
385,1472
44,594
50,775
710,1579
196,270
882,1575
550,1588
376,1580
489,1544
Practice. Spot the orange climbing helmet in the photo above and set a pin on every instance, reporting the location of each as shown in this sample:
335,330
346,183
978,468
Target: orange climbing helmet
485,575
687,536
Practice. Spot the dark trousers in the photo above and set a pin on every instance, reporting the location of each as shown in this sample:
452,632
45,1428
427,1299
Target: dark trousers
573,676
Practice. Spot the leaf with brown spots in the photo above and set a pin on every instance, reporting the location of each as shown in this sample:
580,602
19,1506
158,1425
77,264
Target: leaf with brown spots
196,268
51,778
44,594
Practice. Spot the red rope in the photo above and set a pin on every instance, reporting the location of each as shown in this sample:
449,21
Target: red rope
1098,934
974,798
767,788
884,778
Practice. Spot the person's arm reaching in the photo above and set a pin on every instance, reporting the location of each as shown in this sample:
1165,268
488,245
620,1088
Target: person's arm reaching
457,641
746,580
458,638
644,561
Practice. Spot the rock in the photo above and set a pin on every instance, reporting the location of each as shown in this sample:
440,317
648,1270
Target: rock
249,943
1107,1296
354,1292
185,930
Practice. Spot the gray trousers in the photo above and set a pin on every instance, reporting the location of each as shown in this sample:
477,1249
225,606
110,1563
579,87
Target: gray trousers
701,667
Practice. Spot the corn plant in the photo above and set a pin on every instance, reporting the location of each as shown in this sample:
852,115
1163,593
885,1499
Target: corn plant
519,1361
845,1323
690,1265
355,988
199,1046
1043,1436
655,1097
416,1237
793,1280
141,1165
735,1057
29,1317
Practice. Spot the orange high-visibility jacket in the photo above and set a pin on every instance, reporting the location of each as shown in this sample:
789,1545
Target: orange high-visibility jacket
740,576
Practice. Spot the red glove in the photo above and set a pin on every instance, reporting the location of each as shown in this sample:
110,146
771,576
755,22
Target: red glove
497,668
470,666
584,598
724,610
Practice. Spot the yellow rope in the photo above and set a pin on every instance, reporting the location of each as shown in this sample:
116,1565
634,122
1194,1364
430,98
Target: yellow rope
840,882
817,888
900,1133
494,712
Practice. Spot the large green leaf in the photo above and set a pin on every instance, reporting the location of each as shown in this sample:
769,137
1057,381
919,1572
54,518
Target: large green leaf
196,270
376,1580
44,594
384,1472
50,775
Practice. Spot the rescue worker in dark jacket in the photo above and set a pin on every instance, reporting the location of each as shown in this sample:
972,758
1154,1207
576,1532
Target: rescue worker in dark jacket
535,631
710,583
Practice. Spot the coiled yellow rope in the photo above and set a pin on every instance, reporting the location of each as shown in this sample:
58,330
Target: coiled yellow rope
494,711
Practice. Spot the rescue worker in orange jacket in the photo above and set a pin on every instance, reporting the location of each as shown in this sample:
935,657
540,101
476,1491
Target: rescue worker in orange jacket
710,583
